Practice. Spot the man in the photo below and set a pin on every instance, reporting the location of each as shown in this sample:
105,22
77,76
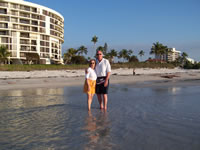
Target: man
103,70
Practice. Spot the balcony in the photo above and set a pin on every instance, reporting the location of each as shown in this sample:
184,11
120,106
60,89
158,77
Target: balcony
4,18
3,11
4,32
24,35
24,21
3,4
22,41
25,48
3,25
26,8
24,28
25,15
34,23
34,29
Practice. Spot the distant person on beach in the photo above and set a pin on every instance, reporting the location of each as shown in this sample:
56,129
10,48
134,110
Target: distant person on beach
103,70
90,82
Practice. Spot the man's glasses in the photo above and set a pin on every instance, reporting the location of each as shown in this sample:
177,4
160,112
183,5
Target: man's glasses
99,54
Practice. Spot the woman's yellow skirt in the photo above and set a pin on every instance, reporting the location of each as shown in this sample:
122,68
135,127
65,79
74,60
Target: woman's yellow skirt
92,84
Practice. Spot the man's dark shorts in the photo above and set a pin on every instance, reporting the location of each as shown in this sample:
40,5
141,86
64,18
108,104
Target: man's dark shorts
100,89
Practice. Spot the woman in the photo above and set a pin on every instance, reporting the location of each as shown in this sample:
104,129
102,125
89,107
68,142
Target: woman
90,82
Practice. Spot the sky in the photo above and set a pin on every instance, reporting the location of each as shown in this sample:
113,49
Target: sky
130,24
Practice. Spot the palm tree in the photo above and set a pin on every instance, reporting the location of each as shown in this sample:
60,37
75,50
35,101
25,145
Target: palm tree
184,56
159,50
4,54
123,54
82,50
112,54
141,53
100,48
130,51
94,40
69,54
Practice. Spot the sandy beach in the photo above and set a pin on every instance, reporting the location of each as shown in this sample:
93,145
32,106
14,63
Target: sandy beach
48,79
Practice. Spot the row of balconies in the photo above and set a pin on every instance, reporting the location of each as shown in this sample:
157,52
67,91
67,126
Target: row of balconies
16,6
33,16
22,14
30,9
54,16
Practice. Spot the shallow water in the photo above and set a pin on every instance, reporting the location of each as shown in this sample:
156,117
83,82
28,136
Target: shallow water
151,118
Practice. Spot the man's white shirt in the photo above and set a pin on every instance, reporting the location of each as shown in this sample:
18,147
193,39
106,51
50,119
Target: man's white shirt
102,67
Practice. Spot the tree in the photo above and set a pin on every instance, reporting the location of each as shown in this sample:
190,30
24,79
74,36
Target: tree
69,54
94,40
82,50
105,49
100,48
78,60
130,51
159,50
32,58
133,58
111,55
141,53
184,56
4,54
123,54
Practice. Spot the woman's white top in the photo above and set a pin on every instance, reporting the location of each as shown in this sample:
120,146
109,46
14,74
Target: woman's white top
91,74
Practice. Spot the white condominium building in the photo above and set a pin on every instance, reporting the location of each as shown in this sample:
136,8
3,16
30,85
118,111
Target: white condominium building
27,28
171,55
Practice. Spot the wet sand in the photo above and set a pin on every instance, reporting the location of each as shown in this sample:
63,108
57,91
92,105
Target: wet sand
151,115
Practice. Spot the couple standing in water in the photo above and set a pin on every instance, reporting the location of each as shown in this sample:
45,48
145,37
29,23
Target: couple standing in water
97,80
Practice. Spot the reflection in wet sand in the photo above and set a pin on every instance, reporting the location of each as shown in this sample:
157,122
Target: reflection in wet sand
16,99
98,131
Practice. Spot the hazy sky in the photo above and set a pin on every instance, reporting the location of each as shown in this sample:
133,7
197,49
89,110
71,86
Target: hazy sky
131,24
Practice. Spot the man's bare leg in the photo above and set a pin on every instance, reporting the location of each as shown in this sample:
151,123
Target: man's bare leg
100,101
105,100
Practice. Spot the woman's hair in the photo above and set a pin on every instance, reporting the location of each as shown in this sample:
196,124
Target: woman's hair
91,62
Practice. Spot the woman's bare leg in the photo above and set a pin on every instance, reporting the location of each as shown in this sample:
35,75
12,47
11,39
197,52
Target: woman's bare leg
100,101
89,102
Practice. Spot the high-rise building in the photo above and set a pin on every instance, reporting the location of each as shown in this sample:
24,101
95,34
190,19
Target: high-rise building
29,29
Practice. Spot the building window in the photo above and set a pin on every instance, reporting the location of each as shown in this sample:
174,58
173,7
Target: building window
34,22
3,25
24,21
15,6
3,11
25,35
2,18
14,19
25,15
22,7
4,4
42,24
13,12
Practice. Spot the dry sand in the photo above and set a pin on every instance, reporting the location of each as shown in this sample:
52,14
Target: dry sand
53,79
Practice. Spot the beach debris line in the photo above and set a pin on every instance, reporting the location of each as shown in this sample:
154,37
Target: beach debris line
169,76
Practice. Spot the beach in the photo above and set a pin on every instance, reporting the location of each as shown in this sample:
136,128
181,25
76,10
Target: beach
144,112
153,109
62,78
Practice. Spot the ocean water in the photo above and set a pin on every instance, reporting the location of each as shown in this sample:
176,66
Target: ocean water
138,118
